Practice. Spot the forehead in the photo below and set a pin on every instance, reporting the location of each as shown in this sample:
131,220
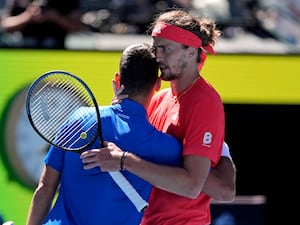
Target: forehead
157,41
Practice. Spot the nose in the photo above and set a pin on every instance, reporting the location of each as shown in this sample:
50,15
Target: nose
159,55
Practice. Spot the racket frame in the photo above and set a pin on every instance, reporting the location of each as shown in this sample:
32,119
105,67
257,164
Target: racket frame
28,97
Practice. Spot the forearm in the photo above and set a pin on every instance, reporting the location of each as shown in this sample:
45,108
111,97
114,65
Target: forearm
177,180
220,184
43,196
40,206
187,180
15,23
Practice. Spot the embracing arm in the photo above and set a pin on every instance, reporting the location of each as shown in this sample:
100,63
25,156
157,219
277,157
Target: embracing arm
220,184
187,180
43,196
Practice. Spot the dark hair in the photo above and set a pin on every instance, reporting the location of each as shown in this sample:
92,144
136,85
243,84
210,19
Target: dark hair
138,69
205,28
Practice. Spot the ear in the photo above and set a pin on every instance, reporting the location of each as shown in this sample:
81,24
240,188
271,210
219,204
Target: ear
116,82
192,52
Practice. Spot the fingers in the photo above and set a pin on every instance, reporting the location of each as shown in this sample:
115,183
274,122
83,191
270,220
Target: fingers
93,152
107,158
90,159
89,153
116,88
114,85
105,143
118,98
89,166
120,90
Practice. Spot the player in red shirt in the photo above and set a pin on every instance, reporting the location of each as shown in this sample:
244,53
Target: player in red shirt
192,111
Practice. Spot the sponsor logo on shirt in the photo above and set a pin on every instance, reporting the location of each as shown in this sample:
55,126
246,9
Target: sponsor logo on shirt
123,116
207,138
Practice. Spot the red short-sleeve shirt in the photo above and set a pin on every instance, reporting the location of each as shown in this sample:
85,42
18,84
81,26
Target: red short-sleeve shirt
196,118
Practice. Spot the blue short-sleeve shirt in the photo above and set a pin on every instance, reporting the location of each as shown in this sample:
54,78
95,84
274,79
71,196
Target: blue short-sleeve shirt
90,197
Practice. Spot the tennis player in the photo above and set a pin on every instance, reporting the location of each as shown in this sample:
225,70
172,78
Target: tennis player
91,197
192,111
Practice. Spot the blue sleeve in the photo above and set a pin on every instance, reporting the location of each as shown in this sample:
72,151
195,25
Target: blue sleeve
55,158
166,150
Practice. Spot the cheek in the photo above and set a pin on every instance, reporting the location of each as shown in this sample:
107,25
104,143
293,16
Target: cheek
180,64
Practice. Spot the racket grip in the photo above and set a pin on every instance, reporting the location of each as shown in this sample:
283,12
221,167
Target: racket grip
139,203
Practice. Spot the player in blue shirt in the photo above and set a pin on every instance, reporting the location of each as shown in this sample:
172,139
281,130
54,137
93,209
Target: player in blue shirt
91,197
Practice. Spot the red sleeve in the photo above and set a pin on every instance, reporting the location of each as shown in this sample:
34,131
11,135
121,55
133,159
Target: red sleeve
205,135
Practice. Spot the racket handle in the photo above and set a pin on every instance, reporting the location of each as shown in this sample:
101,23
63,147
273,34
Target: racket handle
129,190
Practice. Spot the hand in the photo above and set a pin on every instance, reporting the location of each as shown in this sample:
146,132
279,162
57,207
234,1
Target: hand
107,158
34,12
118,97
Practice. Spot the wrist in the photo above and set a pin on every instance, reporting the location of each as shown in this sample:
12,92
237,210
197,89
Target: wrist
122,160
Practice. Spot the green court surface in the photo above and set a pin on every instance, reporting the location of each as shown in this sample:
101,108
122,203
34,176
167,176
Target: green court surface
240,79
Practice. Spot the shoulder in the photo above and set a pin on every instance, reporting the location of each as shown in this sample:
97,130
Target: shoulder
203,99
162,92
160,95
206,91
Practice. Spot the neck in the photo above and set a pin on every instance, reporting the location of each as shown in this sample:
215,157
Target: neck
143,100
181,84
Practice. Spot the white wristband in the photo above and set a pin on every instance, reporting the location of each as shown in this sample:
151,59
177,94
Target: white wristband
225,151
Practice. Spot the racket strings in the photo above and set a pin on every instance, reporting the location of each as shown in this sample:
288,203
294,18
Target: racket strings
50,111
54,100
75,131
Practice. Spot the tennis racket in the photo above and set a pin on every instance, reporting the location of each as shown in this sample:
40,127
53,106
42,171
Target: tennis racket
63,110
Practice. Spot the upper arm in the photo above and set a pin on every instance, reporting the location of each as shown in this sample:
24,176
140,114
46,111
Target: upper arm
49,177
166,150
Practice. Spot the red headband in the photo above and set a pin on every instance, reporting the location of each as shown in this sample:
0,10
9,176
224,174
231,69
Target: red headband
180,35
